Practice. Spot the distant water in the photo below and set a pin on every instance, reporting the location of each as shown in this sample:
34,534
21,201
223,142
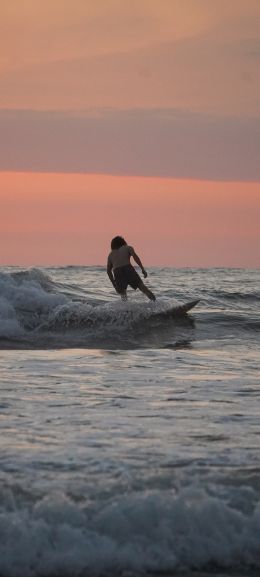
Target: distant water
130,442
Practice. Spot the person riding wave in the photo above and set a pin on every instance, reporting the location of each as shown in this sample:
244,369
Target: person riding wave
121,272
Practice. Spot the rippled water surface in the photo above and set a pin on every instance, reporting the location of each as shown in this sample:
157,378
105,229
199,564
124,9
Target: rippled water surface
130,438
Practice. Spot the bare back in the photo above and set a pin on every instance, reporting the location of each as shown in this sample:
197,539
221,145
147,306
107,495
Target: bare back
121,256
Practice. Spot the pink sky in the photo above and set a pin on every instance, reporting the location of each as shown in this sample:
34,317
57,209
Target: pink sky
141,119
72,218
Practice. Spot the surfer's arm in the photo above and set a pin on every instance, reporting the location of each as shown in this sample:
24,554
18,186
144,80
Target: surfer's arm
138,261
110,273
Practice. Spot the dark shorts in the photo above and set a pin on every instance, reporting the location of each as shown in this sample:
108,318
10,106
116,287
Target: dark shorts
126,275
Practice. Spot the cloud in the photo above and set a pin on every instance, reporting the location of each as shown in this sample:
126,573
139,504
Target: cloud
199,56
157,142
204,73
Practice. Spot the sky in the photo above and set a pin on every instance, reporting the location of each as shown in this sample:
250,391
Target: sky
134,117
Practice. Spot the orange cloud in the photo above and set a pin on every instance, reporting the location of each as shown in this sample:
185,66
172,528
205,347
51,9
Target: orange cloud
200,56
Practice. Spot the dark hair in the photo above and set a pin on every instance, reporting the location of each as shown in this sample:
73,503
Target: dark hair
117,241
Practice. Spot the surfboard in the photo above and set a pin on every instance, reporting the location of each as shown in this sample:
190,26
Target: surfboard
178,311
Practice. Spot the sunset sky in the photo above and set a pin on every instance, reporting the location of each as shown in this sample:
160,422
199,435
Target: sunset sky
132,117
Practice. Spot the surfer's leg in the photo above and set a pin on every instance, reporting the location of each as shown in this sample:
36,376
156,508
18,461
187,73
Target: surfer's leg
121,282
142,287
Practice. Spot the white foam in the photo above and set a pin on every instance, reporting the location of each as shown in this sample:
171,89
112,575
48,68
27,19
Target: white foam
9,325
24,298
134,533
30,300
120,314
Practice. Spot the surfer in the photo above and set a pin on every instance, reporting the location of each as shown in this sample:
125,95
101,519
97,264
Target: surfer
121,272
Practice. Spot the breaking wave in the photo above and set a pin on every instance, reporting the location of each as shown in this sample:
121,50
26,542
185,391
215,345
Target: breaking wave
36,311
146,533
32,305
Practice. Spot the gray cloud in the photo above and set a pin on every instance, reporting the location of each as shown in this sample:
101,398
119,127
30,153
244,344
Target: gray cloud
159,142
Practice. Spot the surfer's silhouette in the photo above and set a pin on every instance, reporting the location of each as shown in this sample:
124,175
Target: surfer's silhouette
121,272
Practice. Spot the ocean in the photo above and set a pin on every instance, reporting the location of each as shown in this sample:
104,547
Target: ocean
129,438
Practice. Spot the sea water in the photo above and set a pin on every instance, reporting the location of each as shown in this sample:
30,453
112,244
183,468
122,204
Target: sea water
129,439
